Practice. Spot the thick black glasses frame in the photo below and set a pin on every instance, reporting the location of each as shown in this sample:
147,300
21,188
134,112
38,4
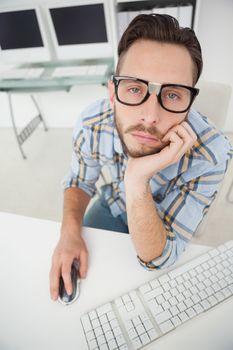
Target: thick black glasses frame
117,79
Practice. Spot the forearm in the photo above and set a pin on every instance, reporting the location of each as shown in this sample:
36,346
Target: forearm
145,226
75,204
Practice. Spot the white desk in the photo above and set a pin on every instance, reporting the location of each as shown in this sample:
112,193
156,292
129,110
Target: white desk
29,320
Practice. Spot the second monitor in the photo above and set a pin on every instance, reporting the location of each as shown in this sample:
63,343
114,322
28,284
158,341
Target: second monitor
81,31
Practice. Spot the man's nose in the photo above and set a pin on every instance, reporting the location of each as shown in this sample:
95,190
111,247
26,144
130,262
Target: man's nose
151,110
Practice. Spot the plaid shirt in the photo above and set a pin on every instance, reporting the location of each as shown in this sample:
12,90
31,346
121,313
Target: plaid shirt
182,192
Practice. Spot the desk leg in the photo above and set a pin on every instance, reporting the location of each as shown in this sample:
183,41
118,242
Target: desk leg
29,128
39,111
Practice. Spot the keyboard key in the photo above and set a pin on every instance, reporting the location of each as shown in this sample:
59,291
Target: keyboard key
98,331
198,308
129,307
190,312
109,335
167,295
86,323
140,329
174,310
212,300
160,299
90,335
166,305
206,305
93,315
195,298
157,310
120,340
101,340
188,302
176,321
110,315
226,292
181,306
183,317
132,333
136,321
126,299
152,334
166,326
137,344
173,283
148,325
117,331
163,316
106,327
145,339
112,344
93,344
124,347
143,317
180,297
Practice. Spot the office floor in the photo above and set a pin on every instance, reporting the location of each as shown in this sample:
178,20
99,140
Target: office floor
32,187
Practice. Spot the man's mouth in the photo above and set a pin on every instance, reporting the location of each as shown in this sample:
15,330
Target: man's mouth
143,137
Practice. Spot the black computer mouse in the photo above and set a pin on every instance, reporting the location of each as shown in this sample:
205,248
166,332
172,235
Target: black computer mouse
65,298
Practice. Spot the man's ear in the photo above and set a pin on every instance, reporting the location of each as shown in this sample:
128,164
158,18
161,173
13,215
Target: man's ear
111,92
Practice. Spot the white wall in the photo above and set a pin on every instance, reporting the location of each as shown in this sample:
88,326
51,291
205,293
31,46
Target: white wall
215,29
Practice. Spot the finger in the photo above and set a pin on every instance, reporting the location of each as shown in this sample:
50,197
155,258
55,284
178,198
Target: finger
83,264
173,136
190,130
184,135
66,275
54,282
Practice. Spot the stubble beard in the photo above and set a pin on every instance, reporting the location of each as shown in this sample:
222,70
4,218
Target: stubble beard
143,150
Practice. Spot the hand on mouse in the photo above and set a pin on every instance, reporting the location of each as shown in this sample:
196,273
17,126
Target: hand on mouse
71,246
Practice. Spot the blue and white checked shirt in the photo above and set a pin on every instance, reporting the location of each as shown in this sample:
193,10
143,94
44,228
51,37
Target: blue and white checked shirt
182,192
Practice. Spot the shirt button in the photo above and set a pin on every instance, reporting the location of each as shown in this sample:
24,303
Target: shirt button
158,198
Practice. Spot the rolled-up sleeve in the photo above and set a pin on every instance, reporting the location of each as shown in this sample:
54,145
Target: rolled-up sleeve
182,210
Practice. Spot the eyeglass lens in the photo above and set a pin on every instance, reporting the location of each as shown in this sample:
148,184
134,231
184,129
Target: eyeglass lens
174,98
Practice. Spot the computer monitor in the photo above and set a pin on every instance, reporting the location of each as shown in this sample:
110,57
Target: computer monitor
22,35
81,30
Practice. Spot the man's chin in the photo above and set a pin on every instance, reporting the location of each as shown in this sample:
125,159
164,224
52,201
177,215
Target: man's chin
143,152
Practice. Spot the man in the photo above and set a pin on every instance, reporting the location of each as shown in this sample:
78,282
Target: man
166,162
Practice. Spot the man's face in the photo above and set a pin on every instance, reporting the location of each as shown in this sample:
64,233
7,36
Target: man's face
141,128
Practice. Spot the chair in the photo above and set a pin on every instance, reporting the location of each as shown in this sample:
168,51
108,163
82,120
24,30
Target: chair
213,102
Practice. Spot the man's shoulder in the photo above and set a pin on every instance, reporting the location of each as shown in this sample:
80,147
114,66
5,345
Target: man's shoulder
95,118
97,113
211,145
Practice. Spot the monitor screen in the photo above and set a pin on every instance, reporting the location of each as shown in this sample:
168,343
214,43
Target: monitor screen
19,30
83,24
23,35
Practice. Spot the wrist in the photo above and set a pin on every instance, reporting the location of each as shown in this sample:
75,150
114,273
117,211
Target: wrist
137,188
71,226
134,180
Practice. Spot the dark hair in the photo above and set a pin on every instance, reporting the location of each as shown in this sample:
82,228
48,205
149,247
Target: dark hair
162,28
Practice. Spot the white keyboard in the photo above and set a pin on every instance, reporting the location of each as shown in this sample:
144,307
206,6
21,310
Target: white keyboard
145,314
79,70
22,73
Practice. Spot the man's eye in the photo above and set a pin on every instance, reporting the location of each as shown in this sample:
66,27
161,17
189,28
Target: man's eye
135,90
172,96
